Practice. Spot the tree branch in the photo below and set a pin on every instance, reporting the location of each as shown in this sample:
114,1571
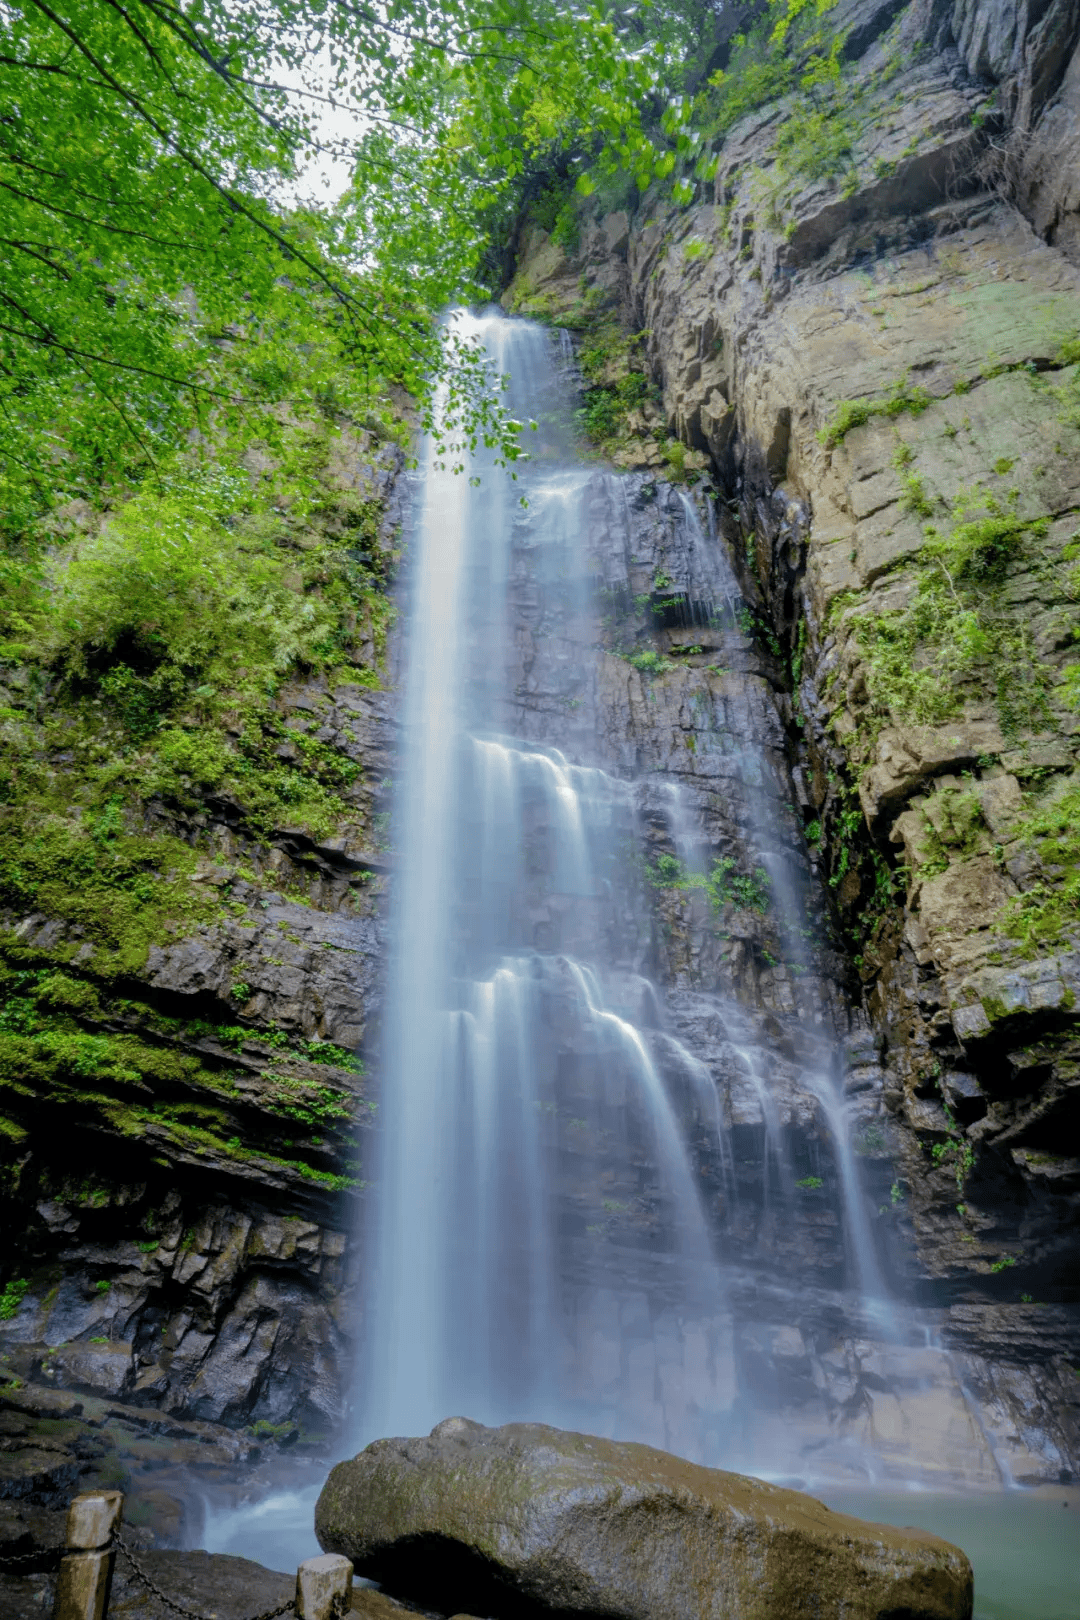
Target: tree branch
341,294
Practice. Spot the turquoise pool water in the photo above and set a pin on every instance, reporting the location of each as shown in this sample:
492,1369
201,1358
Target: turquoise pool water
1024,1548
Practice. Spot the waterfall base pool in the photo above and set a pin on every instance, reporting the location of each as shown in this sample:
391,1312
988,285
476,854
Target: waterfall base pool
1024,1546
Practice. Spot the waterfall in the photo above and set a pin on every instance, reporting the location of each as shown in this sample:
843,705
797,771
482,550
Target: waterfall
503,1053
616,1186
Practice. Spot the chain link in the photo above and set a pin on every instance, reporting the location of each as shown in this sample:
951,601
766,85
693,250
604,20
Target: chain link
288,1607
40,1554
36,1556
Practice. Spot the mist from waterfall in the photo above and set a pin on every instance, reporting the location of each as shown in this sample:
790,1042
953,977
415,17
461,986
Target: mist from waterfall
545,1235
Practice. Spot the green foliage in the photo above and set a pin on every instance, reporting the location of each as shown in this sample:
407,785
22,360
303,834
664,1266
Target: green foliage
1049,909
794,55
612,365
811,1183
320,1051
555,212
603,416
155,277
1003,1264
981,548
12,1297
330,1180
818,142
279,1433
918,657
914,499
196,586
122,893
668,872
745,891
55,1058
674,452
724,884
169,581
848,824
848,414
955,827
165,634
125,1082
784,49
852,413
650,662
955,1150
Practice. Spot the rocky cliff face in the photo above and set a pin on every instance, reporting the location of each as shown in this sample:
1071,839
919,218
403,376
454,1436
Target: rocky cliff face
189,962
878,364
868,362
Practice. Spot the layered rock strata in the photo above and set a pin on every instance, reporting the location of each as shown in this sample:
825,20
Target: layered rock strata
183,1106
880,371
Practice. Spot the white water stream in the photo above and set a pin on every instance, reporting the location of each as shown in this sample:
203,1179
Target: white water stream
525,1120
563,1147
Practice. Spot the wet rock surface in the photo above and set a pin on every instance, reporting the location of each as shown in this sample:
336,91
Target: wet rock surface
216,1585
185,1242
209,1583
184,1238
189,1251
530,1520
57,1442
781,323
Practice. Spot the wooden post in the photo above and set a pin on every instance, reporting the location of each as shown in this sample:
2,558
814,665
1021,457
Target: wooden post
82,1590
324,1587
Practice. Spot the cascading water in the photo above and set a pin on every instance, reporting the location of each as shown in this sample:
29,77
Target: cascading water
622,1178
512,886
598,1204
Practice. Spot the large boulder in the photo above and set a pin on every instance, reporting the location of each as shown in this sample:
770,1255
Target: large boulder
528,1521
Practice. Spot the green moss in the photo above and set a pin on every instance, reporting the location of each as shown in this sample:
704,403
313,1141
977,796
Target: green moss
650,662
953,631
852,413
613,370
62,993
119,892
954,828
724,885
53,1061
1049,909
163,636
329,1179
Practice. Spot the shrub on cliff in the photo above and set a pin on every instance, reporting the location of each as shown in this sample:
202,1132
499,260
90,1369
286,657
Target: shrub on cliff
178,591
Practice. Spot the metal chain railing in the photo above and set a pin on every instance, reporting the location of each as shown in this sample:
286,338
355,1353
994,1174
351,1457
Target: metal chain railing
38,1555
322,1593
288,1607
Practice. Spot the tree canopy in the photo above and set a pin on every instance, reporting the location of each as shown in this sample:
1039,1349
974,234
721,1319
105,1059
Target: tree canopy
158,271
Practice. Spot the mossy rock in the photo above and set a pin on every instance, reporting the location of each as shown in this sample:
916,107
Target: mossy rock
528,1521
